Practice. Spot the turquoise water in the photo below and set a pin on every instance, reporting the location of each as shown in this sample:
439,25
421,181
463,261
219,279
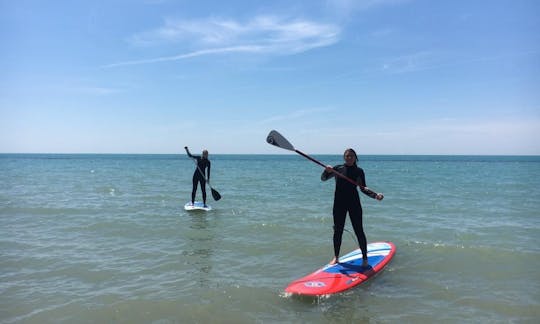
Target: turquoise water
105,238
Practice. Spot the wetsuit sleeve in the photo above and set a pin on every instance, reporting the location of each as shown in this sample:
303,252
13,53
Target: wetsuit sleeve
189,153
208,171
361,180
327,175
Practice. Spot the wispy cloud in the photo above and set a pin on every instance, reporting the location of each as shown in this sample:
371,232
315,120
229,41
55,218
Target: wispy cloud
296,115
348,7
429,60
99,91
409,63
260,35
384,32
220,50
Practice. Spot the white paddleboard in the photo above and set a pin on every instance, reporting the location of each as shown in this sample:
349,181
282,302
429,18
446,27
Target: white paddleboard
198,205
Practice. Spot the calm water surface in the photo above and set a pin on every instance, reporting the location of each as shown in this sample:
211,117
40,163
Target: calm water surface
104,238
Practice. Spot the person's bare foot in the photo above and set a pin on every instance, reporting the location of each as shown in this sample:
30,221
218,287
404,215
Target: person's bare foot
365,263
334,261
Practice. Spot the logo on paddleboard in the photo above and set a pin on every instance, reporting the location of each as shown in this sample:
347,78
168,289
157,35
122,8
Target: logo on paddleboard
314,284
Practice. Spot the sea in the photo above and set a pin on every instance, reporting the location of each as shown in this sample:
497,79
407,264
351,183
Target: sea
90,238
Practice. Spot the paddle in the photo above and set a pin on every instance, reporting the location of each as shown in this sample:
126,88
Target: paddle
276,139
215,193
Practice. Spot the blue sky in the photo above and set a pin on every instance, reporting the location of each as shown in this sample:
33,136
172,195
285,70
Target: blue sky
381,76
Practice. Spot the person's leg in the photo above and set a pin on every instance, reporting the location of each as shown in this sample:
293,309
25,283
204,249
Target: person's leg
194,190
340,215
203,189
355,214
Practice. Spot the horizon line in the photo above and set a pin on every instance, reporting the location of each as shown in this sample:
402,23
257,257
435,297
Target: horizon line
269,154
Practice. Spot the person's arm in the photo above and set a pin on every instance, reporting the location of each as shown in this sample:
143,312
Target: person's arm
188,153
361,180
195,157
327,173
208,172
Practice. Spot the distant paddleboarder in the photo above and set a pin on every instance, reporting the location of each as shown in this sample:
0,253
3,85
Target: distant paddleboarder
203,165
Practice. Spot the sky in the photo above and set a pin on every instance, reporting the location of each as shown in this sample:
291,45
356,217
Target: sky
380,76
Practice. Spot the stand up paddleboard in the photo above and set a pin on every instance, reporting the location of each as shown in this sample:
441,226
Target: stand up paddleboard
198,205
346,274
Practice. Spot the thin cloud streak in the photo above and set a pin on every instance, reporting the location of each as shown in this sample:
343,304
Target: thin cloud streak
224,50
346,8
431,60
294,115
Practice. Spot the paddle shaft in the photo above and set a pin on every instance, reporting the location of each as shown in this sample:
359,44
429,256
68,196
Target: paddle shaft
202,173
215,194
276,139
324,166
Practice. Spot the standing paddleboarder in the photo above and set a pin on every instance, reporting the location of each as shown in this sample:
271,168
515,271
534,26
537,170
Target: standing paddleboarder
203,165
346,199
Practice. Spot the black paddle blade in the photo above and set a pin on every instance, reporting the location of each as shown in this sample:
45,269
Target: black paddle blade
215,194
278,140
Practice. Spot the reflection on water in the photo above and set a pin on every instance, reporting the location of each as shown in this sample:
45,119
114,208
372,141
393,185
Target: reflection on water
200,248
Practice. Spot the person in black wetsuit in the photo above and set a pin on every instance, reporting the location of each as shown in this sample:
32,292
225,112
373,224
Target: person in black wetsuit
203,165
346,199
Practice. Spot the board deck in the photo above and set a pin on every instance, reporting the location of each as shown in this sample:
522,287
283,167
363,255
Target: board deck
346,274
198,205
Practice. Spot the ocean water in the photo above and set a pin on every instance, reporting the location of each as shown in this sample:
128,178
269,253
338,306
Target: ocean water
105,239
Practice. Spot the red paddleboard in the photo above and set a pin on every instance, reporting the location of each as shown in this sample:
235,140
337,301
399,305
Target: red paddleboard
346,274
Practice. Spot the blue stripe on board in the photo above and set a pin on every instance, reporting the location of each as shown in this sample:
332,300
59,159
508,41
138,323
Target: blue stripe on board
354,266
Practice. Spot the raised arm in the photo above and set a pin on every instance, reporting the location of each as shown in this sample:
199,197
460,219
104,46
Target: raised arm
188,153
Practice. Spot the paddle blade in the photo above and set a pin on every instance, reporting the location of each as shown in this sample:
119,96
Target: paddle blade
215,194
278,140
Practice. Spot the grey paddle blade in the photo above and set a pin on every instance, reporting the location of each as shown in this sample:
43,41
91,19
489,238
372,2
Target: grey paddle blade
278,140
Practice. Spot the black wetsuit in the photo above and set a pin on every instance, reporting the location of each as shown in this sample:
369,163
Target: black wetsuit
203,165
346,199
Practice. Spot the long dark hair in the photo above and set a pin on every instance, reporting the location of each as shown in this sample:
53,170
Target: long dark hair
353,152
